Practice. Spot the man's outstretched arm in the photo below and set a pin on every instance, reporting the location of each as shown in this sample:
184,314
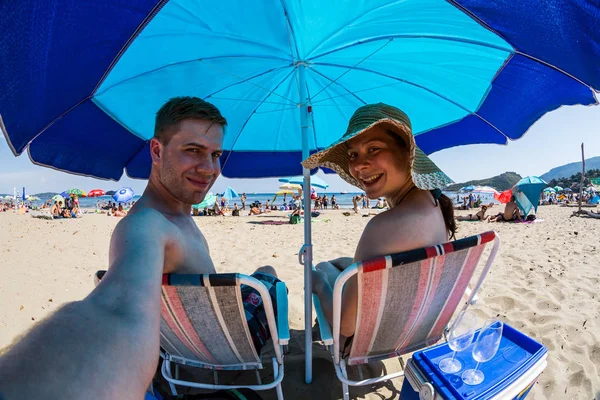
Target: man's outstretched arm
105,346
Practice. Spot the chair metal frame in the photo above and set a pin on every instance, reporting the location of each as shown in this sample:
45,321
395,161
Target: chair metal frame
330,337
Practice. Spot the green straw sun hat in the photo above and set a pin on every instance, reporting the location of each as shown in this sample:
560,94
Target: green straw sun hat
425,174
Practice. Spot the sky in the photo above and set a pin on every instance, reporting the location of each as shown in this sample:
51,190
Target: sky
552,141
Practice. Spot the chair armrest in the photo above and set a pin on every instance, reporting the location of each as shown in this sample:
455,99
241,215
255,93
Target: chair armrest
324,327
283,328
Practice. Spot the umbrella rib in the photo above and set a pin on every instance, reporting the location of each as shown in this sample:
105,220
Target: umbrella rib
252,83
130,40
252,77
350,68
426,89
340,85
291,33
186,62
250,116
416,36
357,91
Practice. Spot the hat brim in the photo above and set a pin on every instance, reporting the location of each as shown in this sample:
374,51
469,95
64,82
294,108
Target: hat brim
425,174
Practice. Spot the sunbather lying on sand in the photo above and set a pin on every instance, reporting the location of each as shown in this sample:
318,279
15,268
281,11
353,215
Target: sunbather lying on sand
479,216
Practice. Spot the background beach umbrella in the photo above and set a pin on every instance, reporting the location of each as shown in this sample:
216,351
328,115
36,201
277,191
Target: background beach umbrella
96,193
558,188
291,187
287,75
76,192
124,194
283,192
230,193
469,188
315,181
208,201
33,198
527,193
549,190
58,198
484,190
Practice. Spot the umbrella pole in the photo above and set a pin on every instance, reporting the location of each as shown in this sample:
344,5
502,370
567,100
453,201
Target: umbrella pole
307,248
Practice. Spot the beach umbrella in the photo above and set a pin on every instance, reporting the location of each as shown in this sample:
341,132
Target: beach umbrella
484,190
208,201
469,188
33,198
123,195
283,192
58,198
527,193
315,181
96,193
75,192
549,190
567,190
230,193
291,187
287,75
558,188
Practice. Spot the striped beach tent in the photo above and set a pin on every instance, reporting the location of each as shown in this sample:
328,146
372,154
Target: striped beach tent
405,302
203,324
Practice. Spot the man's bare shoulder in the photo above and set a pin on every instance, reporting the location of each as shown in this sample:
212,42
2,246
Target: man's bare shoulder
144,222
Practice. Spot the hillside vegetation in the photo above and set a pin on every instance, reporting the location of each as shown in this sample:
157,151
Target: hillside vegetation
499,182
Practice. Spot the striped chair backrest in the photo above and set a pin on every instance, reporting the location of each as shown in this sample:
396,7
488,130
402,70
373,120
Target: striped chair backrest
203,322
405,300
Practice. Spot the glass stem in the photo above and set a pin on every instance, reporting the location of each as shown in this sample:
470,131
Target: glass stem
453,355
476,367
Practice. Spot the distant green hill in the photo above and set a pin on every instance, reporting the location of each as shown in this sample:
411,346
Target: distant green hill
573,168
499,182
45,195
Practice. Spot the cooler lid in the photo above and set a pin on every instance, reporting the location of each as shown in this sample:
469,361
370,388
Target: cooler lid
517,354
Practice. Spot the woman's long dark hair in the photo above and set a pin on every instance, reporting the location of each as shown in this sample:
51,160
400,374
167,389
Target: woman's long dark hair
448,213
444,201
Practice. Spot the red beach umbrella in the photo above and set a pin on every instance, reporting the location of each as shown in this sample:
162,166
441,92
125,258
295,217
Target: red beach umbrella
96,193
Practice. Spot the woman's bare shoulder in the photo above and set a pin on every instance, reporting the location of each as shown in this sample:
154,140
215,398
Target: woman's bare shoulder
398,230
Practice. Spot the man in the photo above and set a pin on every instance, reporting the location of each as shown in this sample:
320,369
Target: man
55,211
106,346
243,198
511,212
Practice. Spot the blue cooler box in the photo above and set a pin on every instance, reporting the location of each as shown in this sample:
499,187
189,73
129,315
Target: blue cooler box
509,375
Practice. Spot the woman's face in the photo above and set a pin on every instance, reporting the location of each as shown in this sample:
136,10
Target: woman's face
378,162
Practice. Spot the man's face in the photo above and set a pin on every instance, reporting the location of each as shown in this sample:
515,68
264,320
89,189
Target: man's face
189,164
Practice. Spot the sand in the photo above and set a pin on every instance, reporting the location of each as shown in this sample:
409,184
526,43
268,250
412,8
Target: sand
544,282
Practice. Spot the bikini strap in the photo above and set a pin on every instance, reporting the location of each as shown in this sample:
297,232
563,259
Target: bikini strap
436,193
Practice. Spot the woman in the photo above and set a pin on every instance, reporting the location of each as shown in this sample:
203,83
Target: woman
378,154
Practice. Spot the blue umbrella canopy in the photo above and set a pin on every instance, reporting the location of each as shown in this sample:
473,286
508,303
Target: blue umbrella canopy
93,75
124,194
469,188
230,193
527,193
315,181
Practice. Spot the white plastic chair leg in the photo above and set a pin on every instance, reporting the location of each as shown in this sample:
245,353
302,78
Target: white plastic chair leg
345,388
275,376
171,385
258,377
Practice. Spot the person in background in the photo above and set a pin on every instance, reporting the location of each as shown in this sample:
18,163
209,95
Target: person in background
243,199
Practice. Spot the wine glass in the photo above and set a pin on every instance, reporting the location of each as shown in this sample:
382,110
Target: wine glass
485,349
459,338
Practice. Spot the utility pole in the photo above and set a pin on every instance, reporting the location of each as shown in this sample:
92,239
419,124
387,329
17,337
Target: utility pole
582,176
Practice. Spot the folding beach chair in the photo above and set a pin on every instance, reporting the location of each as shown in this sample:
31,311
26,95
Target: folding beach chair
203,325
405,302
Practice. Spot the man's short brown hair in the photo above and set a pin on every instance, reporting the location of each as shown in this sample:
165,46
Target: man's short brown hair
178,109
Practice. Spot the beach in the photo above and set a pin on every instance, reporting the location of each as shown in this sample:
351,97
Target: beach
544,282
